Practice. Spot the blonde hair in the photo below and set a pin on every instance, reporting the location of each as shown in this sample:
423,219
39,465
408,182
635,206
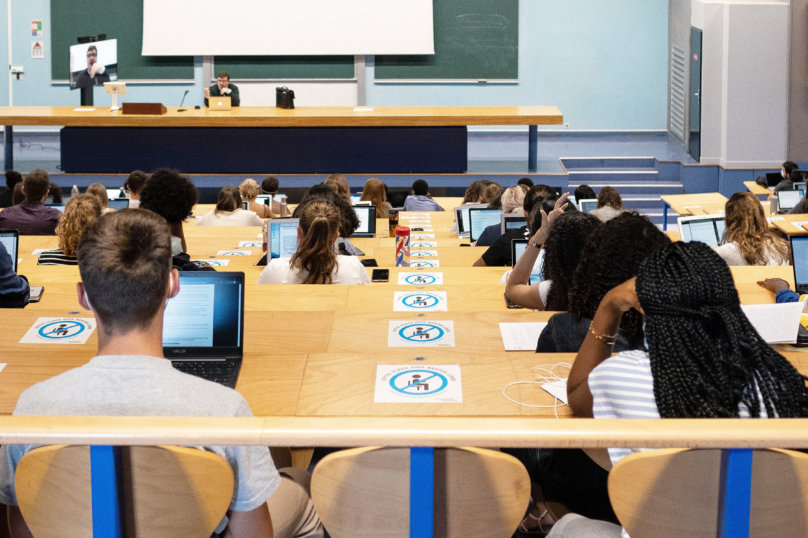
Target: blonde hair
80,212
512,199
249,189
340,185
319,222
747,227
229,200
100,192
374,193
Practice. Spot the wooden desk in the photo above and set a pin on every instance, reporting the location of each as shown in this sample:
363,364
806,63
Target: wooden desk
691,204
786,225
757,190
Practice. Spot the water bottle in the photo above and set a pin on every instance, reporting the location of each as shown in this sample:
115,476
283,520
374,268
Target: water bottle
284,210
393,222
402,246
74,191
264,230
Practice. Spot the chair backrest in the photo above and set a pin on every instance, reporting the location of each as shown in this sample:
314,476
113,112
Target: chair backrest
167,491
675,493
364,492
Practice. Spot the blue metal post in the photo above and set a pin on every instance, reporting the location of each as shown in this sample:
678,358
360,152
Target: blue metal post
665,207
735,498
105,466
8,146
533,148
422,491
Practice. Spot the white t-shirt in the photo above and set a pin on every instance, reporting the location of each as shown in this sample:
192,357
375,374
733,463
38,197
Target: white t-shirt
732,255
134,204
349,270
239,217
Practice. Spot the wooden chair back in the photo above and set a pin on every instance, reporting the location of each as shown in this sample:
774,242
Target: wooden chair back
364,492
167,491
673,493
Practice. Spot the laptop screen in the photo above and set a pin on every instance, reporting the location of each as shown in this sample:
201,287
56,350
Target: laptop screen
207,314
799,249
356,198
60,207
10,240
708,229
119,203
513,222
367,219
480,219
115,193
283,237
588,205
786,200
517,249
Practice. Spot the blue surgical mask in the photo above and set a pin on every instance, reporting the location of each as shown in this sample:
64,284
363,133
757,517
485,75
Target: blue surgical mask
645,337
783,173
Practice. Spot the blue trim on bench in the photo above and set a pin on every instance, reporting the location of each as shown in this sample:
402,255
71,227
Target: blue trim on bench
735,497
422,480
105,469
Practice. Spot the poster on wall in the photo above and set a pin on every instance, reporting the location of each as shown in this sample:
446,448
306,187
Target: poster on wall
36,28
38,50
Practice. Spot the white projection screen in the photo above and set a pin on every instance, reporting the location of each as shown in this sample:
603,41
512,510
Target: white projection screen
286,27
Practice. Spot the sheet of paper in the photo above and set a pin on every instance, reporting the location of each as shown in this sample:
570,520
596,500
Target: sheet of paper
521,336
242,244
422,236
234,253
59,331
214,263
558,389
415,215
430,301
776,323
363,109
420,279
424,263
82,109
423,253
799,224
415,245
418,384
421,334
775,219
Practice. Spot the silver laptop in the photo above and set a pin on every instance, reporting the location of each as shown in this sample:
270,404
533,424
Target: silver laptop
518,247
587,205
282,238
367,221
480,219
462,218
119,203
708,229
787,200
799,251
115,193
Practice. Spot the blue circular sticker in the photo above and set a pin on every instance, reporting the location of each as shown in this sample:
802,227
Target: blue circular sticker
421,332
420,300
61,329
420,279
422,264
418,382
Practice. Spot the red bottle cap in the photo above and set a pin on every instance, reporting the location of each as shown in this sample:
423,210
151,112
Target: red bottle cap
402,231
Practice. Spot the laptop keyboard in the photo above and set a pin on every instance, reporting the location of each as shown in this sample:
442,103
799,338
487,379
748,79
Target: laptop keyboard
223,372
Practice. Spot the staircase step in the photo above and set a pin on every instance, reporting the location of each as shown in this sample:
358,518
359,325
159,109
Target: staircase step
608,162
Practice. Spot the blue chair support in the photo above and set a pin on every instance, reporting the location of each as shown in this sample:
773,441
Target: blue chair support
736,493
422,480
665,207
105,465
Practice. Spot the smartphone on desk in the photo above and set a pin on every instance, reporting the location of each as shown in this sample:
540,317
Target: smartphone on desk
509,303
36,293
380,275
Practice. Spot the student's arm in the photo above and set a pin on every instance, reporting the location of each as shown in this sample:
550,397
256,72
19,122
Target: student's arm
177,231
594,351
16,524
253,524
480,263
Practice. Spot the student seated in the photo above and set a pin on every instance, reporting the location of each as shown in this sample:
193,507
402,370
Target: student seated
339,184
100,192
584,192
492,195
80,212
172,196
747,238
229,212
134,186
610,204
525,181
349,222
31,217
55,193
14,289
17,196
12,178
787,183
420,199
270,186
474,193
126,281
375,192
316,261
512,200
249,190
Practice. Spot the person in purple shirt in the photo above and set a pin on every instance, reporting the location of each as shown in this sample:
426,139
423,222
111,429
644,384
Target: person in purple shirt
420,200
31,217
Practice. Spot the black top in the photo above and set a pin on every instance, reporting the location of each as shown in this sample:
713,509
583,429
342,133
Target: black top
499,253
84,80
565,333
5,197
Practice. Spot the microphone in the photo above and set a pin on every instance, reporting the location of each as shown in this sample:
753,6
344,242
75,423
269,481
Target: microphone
180,109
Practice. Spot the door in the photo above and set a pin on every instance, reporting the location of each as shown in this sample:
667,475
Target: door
694,146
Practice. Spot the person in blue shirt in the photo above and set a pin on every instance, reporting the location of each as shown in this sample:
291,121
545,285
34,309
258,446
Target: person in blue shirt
420,200
14,289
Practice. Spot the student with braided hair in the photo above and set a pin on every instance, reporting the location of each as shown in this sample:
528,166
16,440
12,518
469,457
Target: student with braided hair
316,260
747,238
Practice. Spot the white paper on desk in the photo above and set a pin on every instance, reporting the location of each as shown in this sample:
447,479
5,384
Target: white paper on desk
521,336
415,245
420,279
242,244
776,323
39,251
692,207
800,224
429,301
422,236
424,263
59,331
363,109
421,334
423,253
418,384
234,253
415,215
557,389
774,219
83,109
214,263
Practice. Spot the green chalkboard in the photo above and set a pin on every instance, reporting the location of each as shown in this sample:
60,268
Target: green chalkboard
121,20
285,67
474,39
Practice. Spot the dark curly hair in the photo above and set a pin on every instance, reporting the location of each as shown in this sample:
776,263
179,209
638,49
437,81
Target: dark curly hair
706,358
324,193
169,194
613,254
562,252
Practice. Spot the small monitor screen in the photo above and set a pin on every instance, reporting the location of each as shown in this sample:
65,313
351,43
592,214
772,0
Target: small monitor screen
355,199
514,222
799,248
93,64
115,193
9,240
367,219
708,230
519,248
786,200
480,219
587,205
119,203
60,207
262,199
283,238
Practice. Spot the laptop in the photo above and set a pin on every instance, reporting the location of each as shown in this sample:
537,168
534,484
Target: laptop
787,200
282,237
512,222
708,229
355,199
773,178
480,219
800,187
799,251
119,203
367,221
60,207
203,326
11,240
265,198
518,247
462,218
115,193
219,104
587,205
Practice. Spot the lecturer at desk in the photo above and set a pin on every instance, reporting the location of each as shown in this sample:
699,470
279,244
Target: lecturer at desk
223,88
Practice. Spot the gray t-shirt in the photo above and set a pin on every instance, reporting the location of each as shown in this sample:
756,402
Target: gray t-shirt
136,385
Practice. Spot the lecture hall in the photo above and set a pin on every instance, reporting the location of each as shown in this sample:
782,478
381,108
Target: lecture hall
423,268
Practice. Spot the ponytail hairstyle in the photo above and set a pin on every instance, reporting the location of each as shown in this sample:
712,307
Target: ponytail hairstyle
320,223
706,357
229,200
747,228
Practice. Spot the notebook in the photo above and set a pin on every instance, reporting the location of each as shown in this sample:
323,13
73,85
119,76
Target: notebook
786,200
119,203
799,251
588,205
518,247
282,237
511,222
367,221
11,240
708,229
203,326
480,219
462,218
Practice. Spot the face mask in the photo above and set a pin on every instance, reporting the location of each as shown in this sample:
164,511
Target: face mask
783,173
645,337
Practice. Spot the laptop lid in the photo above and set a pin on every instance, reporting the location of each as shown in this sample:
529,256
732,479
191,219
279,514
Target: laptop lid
800,187
282,237
588,204
773,178
367,221
60,207
355,199
11,240
787,200
206,318
462,218
708,229
518,247
480,219
511,222
799,252
119,203
220,104
115,193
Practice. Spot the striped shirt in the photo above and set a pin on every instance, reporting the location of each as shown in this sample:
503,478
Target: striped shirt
56,257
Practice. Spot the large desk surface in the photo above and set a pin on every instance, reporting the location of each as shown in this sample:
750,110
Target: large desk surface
298,117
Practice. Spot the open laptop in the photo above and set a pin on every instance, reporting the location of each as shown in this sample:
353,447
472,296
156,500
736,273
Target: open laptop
587,205
708,229
203,326
60,207
367,221
480,219
119,203
115,193
787,200
799,252
773,178
219,104
11,240
518,247
282,238
512,222
462,218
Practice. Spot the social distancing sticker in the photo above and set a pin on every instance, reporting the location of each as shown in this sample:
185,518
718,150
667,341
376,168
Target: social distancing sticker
420,279
431,301
421,334
418,384
59,331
